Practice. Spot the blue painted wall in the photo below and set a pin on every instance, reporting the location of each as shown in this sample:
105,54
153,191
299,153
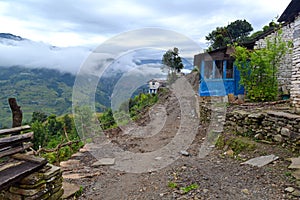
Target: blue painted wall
220,87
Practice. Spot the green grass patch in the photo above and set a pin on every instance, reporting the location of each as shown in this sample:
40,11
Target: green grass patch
189,188
237,143
172,185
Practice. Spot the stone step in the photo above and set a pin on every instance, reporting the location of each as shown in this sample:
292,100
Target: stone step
76,176
104,162
70,165
69,189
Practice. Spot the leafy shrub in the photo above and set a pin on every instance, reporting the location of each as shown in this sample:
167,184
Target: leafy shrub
258,68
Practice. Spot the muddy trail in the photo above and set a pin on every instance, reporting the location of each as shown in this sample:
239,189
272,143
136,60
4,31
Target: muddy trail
184,174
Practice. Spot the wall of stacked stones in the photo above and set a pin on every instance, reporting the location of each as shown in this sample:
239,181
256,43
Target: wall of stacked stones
295,90
268,125
285,69
44,184
274,126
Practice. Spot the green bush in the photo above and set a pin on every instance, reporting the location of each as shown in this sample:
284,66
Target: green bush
258,68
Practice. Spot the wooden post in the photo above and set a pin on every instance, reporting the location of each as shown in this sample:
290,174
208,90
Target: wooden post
16,114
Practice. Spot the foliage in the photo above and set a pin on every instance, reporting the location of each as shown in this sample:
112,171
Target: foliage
189,188
68,124
172,185
236,143
107,119
195,69
87,122
53,132
258,68
54,126
288,173
134,107
39,117
140,102
46,90
272,25
40,134
79,192
236,31
172,60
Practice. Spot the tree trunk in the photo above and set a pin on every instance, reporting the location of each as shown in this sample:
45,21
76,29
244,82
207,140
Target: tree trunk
16,114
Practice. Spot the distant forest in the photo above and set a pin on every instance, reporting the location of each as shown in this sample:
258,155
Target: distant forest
44,90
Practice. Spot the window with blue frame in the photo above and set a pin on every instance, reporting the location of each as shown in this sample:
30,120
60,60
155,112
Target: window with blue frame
218,69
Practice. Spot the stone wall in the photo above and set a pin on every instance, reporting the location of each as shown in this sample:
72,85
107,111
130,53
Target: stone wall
263,122
285,70
277,126
44,184
295,90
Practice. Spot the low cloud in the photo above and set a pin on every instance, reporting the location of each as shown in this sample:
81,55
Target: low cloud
32,54
140,52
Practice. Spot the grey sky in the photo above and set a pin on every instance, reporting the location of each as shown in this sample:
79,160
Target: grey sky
90,22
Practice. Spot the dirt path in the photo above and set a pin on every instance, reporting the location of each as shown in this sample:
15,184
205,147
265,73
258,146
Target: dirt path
214,177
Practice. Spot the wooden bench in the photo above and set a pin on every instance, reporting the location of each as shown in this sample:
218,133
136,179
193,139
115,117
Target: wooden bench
14,163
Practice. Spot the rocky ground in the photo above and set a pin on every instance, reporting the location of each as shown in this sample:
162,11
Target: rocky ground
219,175
216,176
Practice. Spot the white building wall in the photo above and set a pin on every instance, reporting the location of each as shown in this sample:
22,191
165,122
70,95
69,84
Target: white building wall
295,81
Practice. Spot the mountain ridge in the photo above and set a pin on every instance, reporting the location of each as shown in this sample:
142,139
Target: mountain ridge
11,36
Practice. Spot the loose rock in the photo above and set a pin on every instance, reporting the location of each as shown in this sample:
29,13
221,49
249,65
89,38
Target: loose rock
104,162
184,153
245,191
261,161
289,189
296,193
295,163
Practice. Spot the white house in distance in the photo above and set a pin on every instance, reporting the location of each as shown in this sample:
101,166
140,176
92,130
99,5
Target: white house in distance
155,84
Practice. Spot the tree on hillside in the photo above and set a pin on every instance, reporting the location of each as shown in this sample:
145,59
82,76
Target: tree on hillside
54,126
107,119
172,60
67,123
40,134
38,116
236,31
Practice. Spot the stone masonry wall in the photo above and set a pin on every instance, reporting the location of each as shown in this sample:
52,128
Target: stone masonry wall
267,125
44,184
295,90
285,70
260,123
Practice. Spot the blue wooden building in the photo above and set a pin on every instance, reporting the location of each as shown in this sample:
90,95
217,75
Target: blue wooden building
218,74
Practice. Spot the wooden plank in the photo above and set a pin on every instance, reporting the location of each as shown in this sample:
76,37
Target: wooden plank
16,173
12,130
30,158
14,150
12,140
10,164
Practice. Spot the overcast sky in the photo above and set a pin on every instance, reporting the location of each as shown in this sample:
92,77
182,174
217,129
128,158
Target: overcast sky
90,22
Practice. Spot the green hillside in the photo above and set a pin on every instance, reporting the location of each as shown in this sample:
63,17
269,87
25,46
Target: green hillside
44,90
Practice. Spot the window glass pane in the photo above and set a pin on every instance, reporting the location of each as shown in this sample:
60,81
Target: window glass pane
219,69
229,69
208,69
